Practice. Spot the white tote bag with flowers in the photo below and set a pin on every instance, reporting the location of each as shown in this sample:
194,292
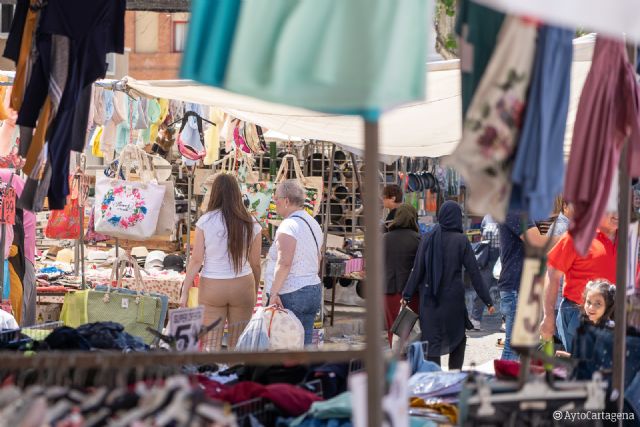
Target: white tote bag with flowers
127,209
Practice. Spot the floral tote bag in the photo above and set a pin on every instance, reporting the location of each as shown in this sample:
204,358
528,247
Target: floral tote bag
127,209
313,188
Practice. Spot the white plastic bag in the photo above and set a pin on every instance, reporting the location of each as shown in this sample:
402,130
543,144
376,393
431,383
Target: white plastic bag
272,328
254,337
497,269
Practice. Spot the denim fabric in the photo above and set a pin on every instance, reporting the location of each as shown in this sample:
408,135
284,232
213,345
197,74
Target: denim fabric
508,304
594,351
632,395
567,322
478,305
304,303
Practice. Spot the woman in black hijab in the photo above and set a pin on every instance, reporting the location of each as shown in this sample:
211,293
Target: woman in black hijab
437,275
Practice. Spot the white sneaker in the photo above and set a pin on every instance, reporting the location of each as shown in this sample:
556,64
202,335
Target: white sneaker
503,327
476,325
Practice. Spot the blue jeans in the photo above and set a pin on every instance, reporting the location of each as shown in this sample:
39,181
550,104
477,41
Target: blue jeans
305,304
508,305
567,322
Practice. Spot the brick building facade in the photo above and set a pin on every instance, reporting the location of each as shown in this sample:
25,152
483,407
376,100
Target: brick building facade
155,42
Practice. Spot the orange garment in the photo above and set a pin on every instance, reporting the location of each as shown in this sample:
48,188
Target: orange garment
16,289
7,131
37,143
448,410
20,80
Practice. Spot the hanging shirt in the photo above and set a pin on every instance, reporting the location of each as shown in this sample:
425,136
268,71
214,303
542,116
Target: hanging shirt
490,132
477,28
538,170
94,28
511,252
598,263
607,114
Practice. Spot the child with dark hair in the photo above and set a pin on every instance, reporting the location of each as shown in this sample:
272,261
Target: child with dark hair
599,297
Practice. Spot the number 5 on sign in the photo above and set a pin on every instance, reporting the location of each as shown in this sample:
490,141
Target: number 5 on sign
526,326
184,326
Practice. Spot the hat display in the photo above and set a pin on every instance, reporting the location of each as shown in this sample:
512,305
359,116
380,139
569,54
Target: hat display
173,262
139,252
65,255
154,260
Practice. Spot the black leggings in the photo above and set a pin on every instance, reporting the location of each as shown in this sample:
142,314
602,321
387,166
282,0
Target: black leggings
456,357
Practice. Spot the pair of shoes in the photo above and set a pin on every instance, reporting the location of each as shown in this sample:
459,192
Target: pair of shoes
503,327
476,325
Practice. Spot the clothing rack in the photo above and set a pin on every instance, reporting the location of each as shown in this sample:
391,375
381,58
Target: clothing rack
117,360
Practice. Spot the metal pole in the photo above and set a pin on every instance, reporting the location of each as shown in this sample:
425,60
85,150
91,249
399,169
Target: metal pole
374,363
189,197
624,217
327,213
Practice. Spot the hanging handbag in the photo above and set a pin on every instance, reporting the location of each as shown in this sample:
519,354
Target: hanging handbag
127,209
65,223
313,188
185,150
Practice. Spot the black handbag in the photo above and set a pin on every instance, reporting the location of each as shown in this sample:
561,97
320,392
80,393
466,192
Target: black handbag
404,323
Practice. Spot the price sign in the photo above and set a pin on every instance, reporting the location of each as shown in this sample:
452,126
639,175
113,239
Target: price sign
184,326
8,208
526,327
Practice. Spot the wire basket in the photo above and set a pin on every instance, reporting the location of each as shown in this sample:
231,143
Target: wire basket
222,338
41,331
36,332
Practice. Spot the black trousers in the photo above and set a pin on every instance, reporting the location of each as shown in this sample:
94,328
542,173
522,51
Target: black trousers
456,357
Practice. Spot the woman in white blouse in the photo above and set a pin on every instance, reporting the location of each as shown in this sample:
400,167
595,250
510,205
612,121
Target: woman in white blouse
227,247
292,279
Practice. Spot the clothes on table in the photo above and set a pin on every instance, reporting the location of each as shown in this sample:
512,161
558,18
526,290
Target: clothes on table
98,335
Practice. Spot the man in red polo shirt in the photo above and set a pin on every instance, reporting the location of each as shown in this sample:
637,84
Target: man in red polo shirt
563,260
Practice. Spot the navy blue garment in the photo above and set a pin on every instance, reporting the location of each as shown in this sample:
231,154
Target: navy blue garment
593,349
538,170
14,40
66,338
95,28
110,336
443,311
511,252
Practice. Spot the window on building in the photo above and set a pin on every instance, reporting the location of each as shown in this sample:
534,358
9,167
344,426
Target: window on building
6,17
179,35
111,64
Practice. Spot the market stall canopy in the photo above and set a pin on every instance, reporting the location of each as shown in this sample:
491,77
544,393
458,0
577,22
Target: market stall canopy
618,18
426,129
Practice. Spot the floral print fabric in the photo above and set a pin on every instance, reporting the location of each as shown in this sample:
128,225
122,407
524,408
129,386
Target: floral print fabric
485,154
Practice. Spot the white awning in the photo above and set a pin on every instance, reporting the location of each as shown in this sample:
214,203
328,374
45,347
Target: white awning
426,129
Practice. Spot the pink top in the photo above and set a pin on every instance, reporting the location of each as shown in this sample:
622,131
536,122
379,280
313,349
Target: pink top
29,220
607,114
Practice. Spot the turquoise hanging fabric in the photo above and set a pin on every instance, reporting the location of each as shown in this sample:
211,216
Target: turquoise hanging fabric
211,31
6,286
347,57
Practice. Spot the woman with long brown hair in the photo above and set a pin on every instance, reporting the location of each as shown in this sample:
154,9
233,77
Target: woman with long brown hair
227,247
